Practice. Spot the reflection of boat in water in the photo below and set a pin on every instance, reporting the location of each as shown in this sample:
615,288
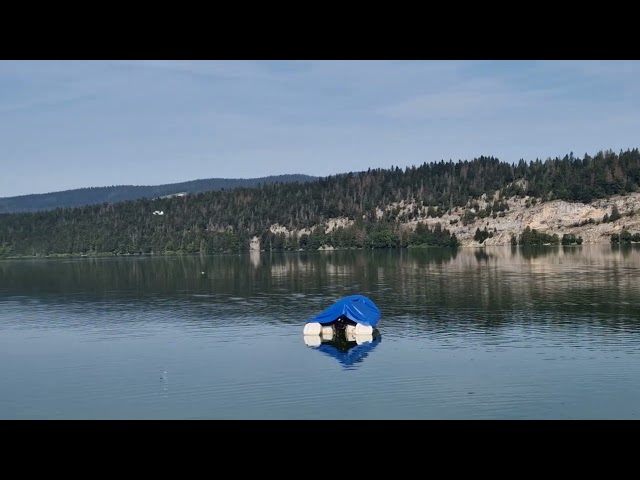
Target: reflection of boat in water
344,345
355,314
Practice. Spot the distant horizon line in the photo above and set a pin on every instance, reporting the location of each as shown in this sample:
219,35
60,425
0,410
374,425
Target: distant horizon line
165,184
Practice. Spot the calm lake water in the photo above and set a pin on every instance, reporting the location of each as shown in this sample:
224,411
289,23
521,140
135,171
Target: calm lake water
501,333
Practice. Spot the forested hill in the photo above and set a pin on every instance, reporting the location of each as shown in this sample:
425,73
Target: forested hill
120,193
377,205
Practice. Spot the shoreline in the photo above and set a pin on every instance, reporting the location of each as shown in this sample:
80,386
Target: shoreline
253,252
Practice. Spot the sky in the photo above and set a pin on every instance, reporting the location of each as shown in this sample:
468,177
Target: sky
74,124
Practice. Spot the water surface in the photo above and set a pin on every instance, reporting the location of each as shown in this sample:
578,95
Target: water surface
501,333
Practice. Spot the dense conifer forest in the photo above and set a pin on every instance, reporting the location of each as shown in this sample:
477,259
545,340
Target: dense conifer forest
225,221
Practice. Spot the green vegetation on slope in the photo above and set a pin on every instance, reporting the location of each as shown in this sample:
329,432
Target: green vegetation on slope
226,220
625,237
531,236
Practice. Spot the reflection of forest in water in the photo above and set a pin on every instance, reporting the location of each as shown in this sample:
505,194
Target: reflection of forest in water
494,282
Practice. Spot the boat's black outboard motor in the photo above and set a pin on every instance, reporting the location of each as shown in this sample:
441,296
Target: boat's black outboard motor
341,323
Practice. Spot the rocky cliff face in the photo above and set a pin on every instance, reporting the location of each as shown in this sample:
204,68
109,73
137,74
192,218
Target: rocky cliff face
552,217
557,216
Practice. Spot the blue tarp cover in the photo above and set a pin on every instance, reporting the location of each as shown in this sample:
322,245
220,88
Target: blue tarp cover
356,308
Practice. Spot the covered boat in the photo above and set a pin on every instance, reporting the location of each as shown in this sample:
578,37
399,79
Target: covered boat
355,313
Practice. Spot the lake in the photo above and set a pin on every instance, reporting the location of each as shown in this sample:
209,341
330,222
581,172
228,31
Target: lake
495,333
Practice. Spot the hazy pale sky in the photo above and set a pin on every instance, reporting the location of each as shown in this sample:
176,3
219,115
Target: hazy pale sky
72,124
